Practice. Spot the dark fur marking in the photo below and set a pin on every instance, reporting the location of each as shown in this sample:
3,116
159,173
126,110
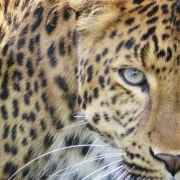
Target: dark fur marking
105,52
10,61
129,21
25,172
150,32
161,54
145,8
164,8
26,15
17,75
6,131
48,140
10,149
38,14
165,37
20,58
155,40
10,168
29,155
51,55
75,37
128,132
169,54
113,34
129,43
24,31
33,134
29,116
51,21
134,28
89,73
153,11
21,43
5,49
66,14
4,86
71,140
16,108
98,58
95,93
24,142
25,3
2,35
43,125
102,81
4,112
29,67
143,53
44,97
62,84
31,45
72,101
119,46
96,118
1,65
14,133
62,51
152,20
137,1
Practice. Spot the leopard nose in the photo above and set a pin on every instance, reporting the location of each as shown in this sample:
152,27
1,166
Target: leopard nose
171,162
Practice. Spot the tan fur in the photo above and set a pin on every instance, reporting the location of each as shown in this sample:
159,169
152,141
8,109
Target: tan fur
83,47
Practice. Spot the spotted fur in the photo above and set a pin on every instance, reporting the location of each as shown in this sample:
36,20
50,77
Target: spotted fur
66,110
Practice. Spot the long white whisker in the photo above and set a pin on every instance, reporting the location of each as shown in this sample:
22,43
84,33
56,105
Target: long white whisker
94,172
129,177
109,171
79,116
48,153
141,175
109,155
125,173
74,125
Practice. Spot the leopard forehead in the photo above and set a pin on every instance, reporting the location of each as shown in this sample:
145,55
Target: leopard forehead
142,34
147,28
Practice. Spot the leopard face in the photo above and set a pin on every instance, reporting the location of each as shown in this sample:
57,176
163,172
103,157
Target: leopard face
115,64
129,83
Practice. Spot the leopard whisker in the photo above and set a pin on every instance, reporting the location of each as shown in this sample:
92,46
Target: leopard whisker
79,116
110,171
50,152
94,172
99,157
141,176
129,177
74,125
125,173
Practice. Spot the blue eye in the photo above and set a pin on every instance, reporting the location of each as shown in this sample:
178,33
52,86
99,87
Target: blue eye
132,76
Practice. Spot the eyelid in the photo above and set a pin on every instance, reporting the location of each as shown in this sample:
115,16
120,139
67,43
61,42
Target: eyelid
118,66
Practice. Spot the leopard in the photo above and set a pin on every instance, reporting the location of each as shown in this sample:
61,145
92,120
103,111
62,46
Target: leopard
90,89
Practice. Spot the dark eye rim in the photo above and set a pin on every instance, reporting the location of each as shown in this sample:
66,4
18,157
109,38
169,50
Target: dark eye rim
142,83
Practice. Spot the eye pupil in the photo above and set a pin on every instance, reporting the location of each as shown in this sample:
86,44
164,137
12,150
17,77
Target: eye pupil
134,72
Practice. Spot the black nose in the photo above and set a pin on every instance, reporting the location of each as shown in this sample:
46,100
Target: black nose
172,162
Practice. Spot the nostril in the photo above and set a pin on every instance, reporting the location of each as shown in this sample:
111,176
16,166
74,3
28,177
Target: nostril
171,162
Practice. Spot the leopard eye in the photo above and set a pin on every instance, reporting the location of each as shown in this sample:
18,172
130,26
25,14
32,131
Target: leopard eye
132,76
